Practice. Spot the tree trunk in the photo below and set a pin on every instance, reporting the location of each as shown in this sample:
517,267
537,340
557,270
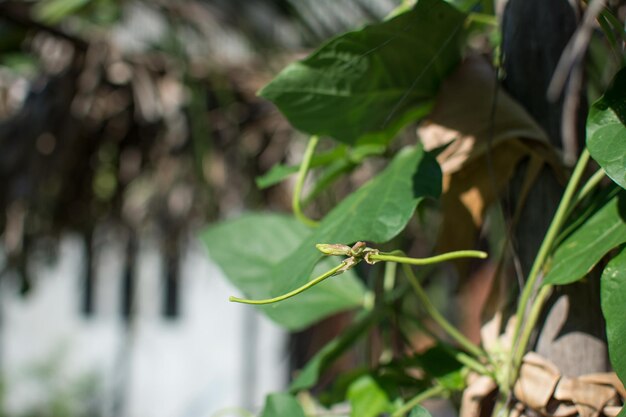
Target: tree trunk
535,32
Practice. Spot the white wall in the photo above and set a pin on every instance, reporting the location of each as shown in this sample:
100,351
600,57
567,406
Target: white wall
191,366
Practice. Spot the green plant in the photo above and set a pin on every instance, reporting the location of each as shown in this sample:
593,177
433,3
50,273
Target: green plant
360,89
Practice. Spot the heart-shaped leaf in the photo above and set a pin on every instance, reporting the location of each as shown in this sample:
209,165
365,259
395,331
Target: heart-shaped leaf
367,84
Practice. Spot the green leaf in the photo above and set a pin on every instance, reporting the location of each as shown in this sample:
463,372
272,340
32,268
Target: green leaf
419,411
606,130
275,175
340,158
247,249
332,351
376,212
583,248
622,413
279,172
367,398
367,84
282,405
440,364
613,296
53,11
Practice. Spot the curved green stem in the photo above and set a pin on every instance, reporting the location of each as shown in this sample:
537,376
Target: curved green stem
335,271
591,183
398,256
473,364
302,173
422,396
533,317
439,318
542,255
330,175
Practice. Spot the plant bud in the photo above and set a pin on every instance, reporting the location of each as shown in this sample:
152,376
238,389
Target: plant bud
333,249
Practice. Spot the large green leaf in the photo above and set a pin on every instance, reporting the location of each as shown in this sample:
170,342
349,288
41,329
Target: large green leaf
367,84
367,398
248,248
613,295
282,405
583,248
376,212
606,130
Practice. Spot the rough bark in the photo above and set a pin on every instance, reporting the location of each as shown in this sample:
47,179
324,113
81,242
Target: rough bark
535,32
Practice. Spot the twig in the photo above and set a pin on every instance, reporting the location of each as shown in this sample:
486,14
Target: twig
575,49
570,70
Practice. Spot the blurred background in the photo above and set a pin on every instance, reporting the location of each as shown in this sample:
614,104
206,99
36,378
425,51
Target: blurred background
127,126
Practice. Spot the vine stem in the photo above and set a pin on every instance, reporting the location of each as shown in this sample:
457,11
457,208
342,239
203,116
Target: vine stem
533,317
422,396
439,318
296,201
399,257
473,364
336,270
591,183
542,255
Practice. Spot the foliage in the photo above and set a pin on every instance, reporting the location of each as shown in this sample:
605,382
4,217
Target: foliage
613,301
362,88
606,130
579,252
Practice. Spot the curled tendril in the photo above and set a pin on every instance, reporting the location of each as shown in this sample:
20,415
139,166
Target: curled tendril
355,254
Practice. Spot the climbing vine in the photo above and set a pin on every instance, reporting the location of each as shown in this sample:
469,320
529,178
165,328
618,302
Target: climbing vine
356,95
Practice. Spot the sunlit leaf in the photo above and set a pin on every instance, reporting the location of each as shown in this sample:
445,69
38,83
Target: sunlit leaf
376,212
584,247
367,84
606,130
